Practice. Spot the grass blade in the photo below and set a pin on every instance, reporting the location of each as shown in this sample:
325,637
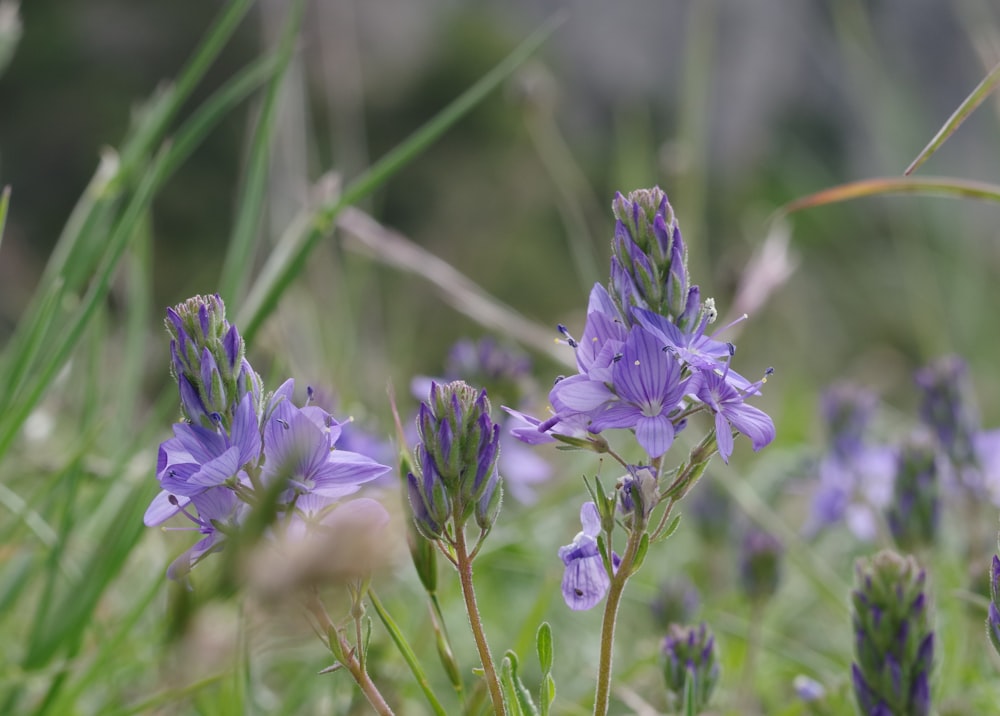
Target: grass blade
4,203
930,186
239,255
967,107
407,652
308,228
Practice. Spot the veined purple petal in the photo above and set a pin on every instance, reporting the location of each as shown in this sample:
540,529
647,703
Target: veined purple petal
579,394
585,583
655,434
590,519
162,508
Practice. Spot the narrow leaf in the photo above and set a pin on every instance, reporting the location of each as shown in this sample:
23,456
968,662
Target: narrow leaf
971,102
407,653
543,641
931,186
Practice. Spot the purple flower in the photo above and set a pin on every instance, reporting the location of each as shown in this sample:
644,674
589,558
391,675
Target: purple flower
731,413
299,448
218,508
648,387
197,459
855,477
585,581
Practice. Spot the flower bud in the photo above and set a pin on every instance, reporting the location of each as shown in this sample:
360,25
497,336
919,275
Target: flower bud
649,260
207,360
894,643
913,512
949,410
993,615
760,564
689,664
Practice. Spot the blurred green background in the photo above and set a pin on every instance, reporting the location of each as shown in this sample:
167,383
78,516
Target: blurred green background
732,108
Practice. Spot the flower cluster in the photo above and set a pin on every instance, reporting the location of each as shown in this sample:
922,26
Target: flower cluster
455,475
237,450
504,373
856,474
861,479
894,643
690,668
645,360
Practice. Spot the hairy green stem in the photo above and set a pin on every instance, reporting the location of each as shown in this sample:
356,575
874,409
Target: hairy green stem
464,564
618,581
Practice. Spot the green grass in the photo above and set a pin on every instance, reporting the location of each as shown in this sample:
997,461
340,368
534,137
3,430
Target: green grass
91,625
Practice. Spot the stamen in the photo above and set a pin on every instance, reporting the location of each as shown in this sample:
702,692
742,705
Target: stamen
309,394
283,423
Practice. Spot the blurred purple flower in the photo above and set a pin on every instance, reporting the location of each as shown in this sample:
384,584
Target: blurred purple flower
299,449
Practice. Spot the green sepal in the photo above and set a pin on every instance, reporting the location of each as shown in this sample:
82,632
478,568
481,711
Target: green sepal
640,553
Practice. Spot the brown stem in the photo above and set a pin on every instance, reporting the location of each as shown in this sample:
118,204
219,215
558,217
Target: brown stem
465,576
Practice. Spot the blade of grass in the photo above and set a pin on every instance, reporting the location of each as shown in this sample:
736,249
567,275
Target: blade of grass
309,227
407,652
4,203
930,186
188,137
968,106
215,39
240,252
70,616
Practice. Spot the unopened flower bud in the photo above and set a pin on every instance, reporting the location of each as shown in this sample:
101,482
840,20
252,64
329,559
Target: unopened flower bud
760,564
893,640
689,663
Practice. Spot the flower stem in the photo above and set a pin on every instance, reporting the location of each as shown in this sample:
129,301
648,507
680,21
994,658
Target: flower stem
464,564
618,580
345,654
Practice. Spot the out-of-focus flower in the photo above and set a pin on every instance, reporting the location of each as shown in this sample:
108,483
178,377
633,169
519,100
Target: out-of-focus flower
893,640
855,476
233,455
585,581
808,689
993,613
760,564
913,512
676,601
689,664
299,451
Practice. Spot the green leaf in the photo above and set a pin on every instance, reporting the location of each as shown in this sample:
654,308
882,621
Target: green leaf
968,106
407,653
640,553
543,642
519,700
671,528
